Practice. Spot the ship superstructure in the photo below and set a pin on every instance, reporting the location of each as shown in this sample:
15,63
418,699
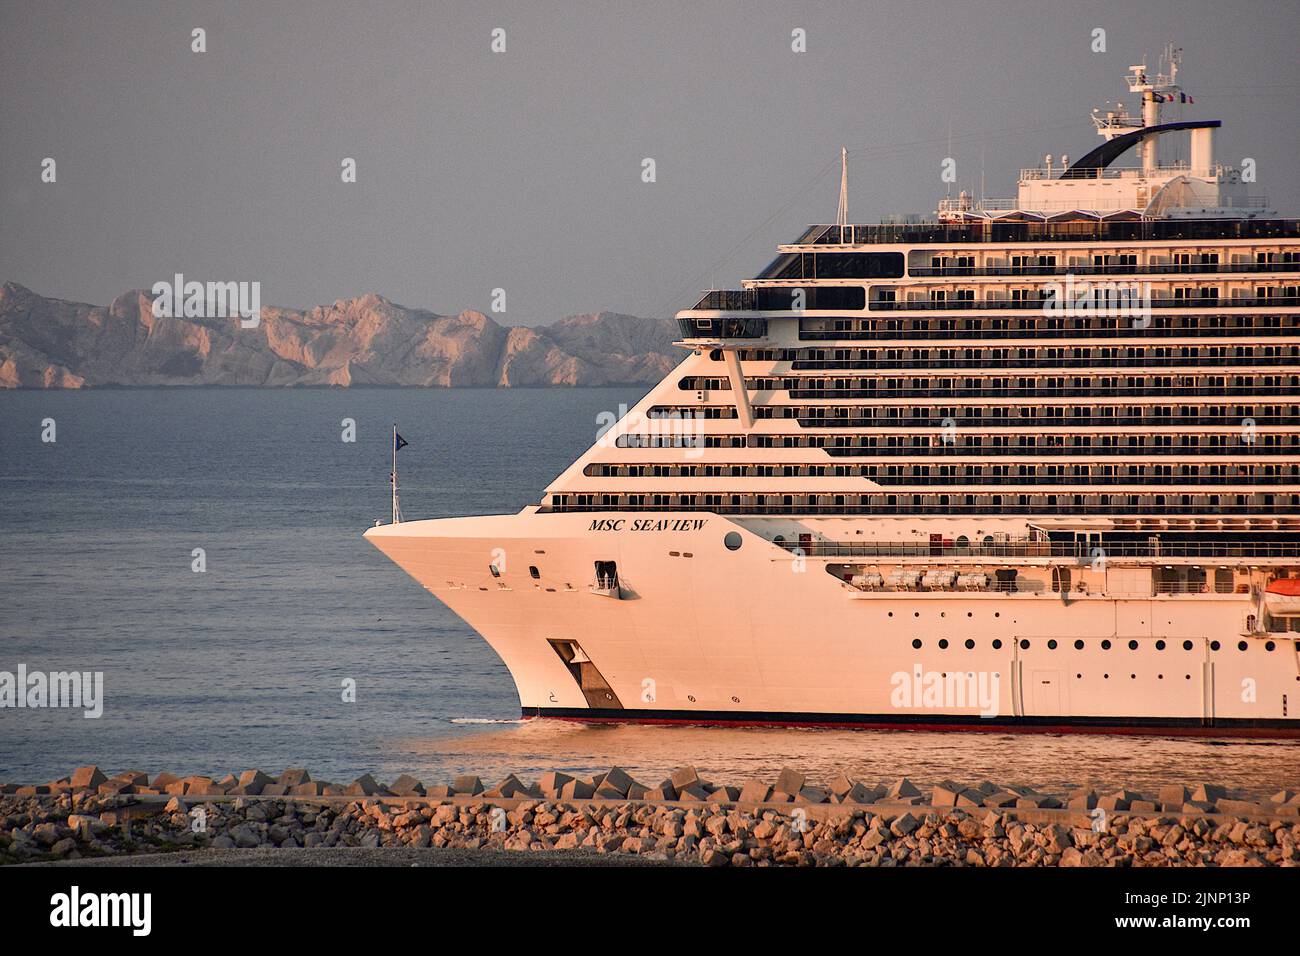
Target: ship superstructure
1034,464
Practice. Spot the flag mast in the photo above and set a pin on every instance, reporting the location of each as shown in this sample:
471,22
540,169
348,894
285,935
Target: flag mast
392,477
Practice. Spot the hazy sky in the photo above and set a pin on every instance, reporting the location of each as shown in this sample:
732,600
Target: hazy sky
522,170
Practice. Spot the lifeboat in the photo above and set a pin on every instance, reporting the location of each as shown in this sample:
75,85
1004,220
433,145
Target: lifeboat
1282,597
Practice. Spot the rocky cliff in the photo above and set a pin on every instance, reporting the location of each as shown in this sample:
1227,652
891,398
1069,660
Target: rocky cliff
52,343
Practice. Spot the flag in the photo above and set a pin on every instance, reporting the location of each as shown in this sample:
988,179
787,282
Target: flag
399,442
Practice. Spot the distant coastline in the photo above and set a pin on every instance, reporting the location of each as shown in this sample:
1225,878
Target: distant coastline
367,341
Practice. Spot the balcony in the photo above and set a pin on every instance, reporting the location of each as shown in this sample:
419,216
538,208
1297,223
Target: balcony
939,233
1068,309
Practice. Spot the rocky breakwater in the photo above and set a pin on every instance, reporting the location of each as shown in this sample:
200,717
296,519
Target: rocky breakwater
685,819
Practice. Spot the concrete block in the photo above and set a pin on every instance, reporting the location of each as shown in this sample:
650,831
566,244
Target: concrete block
903,788
253,781
1143,806
310,788
161,781
755,791
683,777
1283,796
87,778
1082,800
137,778
861,794
441,792
1001,798
812,795
1208,793
467,783
693,793
275,790
111,787
1174,795
406,786
293,777
1238,807
668,789
789,781
637,791
724,795
201,786
577,790
945,794
1195,806
552,782
364,786
617,778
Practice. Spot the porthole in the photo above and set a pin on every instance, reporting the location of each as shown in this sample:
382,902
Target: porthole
1160,677
970,613
1051,645
1187,645
733,540
496,572
1105,645
970,645
1078,645
532,570
943,613
997,613
1242,645
1187,676
1105,677
891,613
916,614
916,642
997,643
1214,645
1269,645
1132,676
943,643
1079,676
1025,645
1160,645
1132,645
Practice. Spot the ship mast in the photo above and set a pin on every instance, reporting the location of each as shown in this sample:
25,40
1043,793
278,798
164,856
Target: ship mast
842,214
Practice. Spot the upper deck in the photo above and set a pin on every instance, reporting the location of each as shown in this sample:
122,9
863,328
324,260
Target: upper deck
1075,230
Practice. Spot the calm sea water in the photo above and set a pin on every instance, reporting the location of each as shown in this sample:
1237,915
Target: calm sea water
241,666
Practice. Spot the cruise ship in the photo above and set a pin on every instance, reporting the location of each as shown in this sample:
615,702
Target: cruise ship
1032,465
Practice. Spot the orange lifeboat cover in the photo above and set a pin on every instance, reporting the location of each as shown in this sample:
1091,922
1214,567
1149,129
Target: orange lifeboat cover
1287,586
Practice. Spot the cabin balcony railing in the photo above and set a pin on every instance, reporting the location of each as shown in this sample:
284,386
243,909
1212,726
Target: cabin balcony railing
940,233
1069,309
1237,451
1083,366
1126,330
965,394
1191,268
1042,549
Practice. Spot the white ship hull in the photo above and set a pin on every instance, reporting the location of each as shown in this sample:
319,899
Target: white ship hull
696,632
